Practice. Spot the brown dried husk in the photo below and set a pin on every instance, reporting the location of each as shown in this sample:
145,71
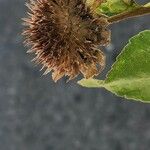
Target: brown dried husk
65,35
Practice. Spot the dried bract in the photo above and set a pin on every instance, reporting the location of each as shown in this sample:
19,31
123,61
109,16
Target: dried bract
65,35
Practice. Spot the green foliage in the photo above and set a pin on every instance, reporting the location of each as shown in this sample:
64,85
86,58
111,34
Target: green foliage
130,74
147,5
113,7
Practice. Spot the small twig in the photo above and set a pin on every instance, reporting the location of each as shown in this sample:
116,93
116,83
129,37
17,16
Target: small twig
140,11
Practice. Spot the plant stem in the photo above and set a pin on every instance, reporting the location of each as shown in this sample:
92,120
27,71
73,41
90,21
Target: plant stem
140,11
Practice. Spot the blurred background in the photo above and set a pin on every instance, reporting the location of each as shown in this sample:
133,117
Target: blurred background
37,114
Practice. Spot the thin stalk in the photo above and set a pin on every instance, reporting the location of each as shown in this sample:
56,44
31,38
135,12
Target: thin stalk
140,11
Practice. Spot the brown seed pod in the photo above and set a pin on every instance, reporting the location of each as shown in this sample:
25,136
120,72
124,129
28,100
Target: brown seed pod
65,36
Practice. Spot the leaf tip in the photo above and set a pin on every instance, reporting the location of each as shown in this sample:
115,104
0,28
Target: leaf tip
91,83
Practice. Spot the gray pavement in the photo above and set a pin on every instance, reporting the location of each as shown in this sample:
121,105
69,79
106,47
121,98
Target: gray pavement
37,114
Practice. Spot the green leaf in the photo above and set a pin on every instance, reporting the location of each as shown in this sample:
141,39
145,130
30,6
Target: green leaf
113,7
147,5
130,74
